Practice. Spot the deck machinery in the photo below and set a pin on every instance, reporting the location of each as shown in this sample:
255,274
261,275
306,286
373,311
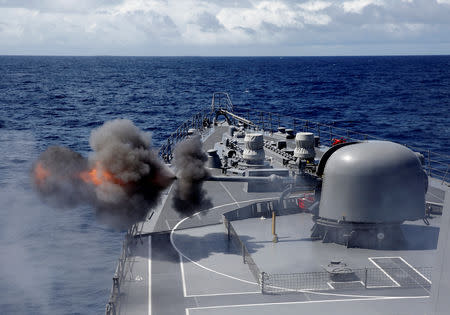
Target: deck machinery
361,196
352,200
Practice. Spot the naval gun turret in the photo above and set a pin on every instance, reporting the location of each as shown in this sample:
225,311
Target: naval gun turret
369,189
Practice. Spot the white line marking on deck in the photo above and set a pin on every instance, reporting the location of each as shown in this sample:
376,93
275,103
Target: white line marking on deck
224,294
330,283
436,196
420,274
246,281
229,193
196,263
385,257
149,275
182,276
382,270
309,302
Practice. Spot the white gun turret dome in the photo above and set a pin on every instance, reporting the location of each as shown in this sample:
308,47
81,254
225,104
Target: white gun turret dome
368,190
371,182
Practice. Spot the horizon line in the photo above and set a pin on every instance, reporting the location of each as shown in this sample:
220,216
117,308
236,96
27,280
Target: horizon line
224,56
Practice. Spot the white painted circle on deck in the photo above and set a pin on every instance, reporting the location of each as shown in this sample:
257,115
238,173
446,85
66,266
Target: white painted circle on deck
252,282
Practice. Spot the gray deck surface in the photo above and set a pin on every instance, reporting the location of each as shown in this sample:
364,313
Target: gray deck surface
188,266
305,255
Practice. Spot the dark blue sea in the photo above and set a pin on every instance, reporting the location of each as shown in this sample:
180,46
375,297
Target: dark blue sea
61,261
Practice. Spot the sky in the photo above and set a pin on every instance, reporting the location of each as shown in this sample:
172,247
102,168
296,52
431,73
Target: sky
224,27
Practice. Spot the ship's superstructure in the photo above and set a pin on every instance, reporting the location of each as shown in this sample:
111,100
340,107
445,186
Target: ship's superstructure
302,219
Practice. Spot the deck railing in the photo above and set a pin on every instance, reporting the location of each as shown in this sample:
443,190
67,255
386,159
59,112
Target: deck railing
340,279
199,121
256,210
122,269
354,279
436,165
246,257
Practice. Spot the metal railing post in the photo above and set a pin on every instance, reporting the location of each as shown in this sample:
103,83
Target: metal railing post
331,135
262,281
270,118
365,278
445,175
429,163
262,120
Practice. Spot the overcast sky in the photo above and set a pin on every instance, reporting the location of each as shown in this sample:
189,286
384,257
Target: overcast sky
224,27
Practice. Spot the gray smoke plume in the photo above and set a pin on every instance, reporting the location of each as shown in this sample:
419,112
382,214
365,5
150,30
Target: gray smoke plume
56,177
122,178
189,161
139,176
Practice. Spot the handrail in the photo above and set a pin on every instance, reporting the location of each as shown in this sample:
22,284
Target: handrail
202,120
198,121
113,305
221,100
307,122
435,164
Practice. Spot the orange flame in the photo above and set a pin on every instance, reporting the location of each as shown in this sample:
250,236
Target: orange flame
98,176
40,173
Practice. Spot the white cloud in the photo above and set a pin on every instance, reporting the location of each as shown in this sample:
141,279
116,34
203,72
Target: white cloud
315,19
357,6
197,26
276,13
66,6
314,5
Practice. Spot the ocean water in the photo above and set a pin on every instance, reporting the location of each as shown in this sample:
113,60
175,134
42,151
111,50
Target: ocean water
60,261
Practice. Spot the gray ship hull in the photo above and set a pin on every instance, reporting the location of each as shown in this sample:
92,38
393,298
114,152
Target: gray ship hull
195,265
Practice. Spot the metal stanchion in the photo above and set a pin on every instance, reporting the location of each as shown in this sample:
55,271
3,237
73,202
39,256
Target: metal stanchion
262,281
275,237
365,278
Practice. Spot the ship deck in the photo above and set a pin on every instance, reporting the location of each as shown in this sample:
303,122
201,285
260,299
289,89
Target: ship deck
189,266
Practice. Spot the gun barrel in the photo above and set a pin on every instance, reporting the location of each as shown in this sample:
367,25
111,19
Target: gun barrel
254,179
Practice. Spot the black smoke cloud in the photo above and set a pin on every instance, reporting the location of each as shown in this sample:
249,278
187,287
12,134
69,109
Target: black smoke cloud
189,160
121,154
57,177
